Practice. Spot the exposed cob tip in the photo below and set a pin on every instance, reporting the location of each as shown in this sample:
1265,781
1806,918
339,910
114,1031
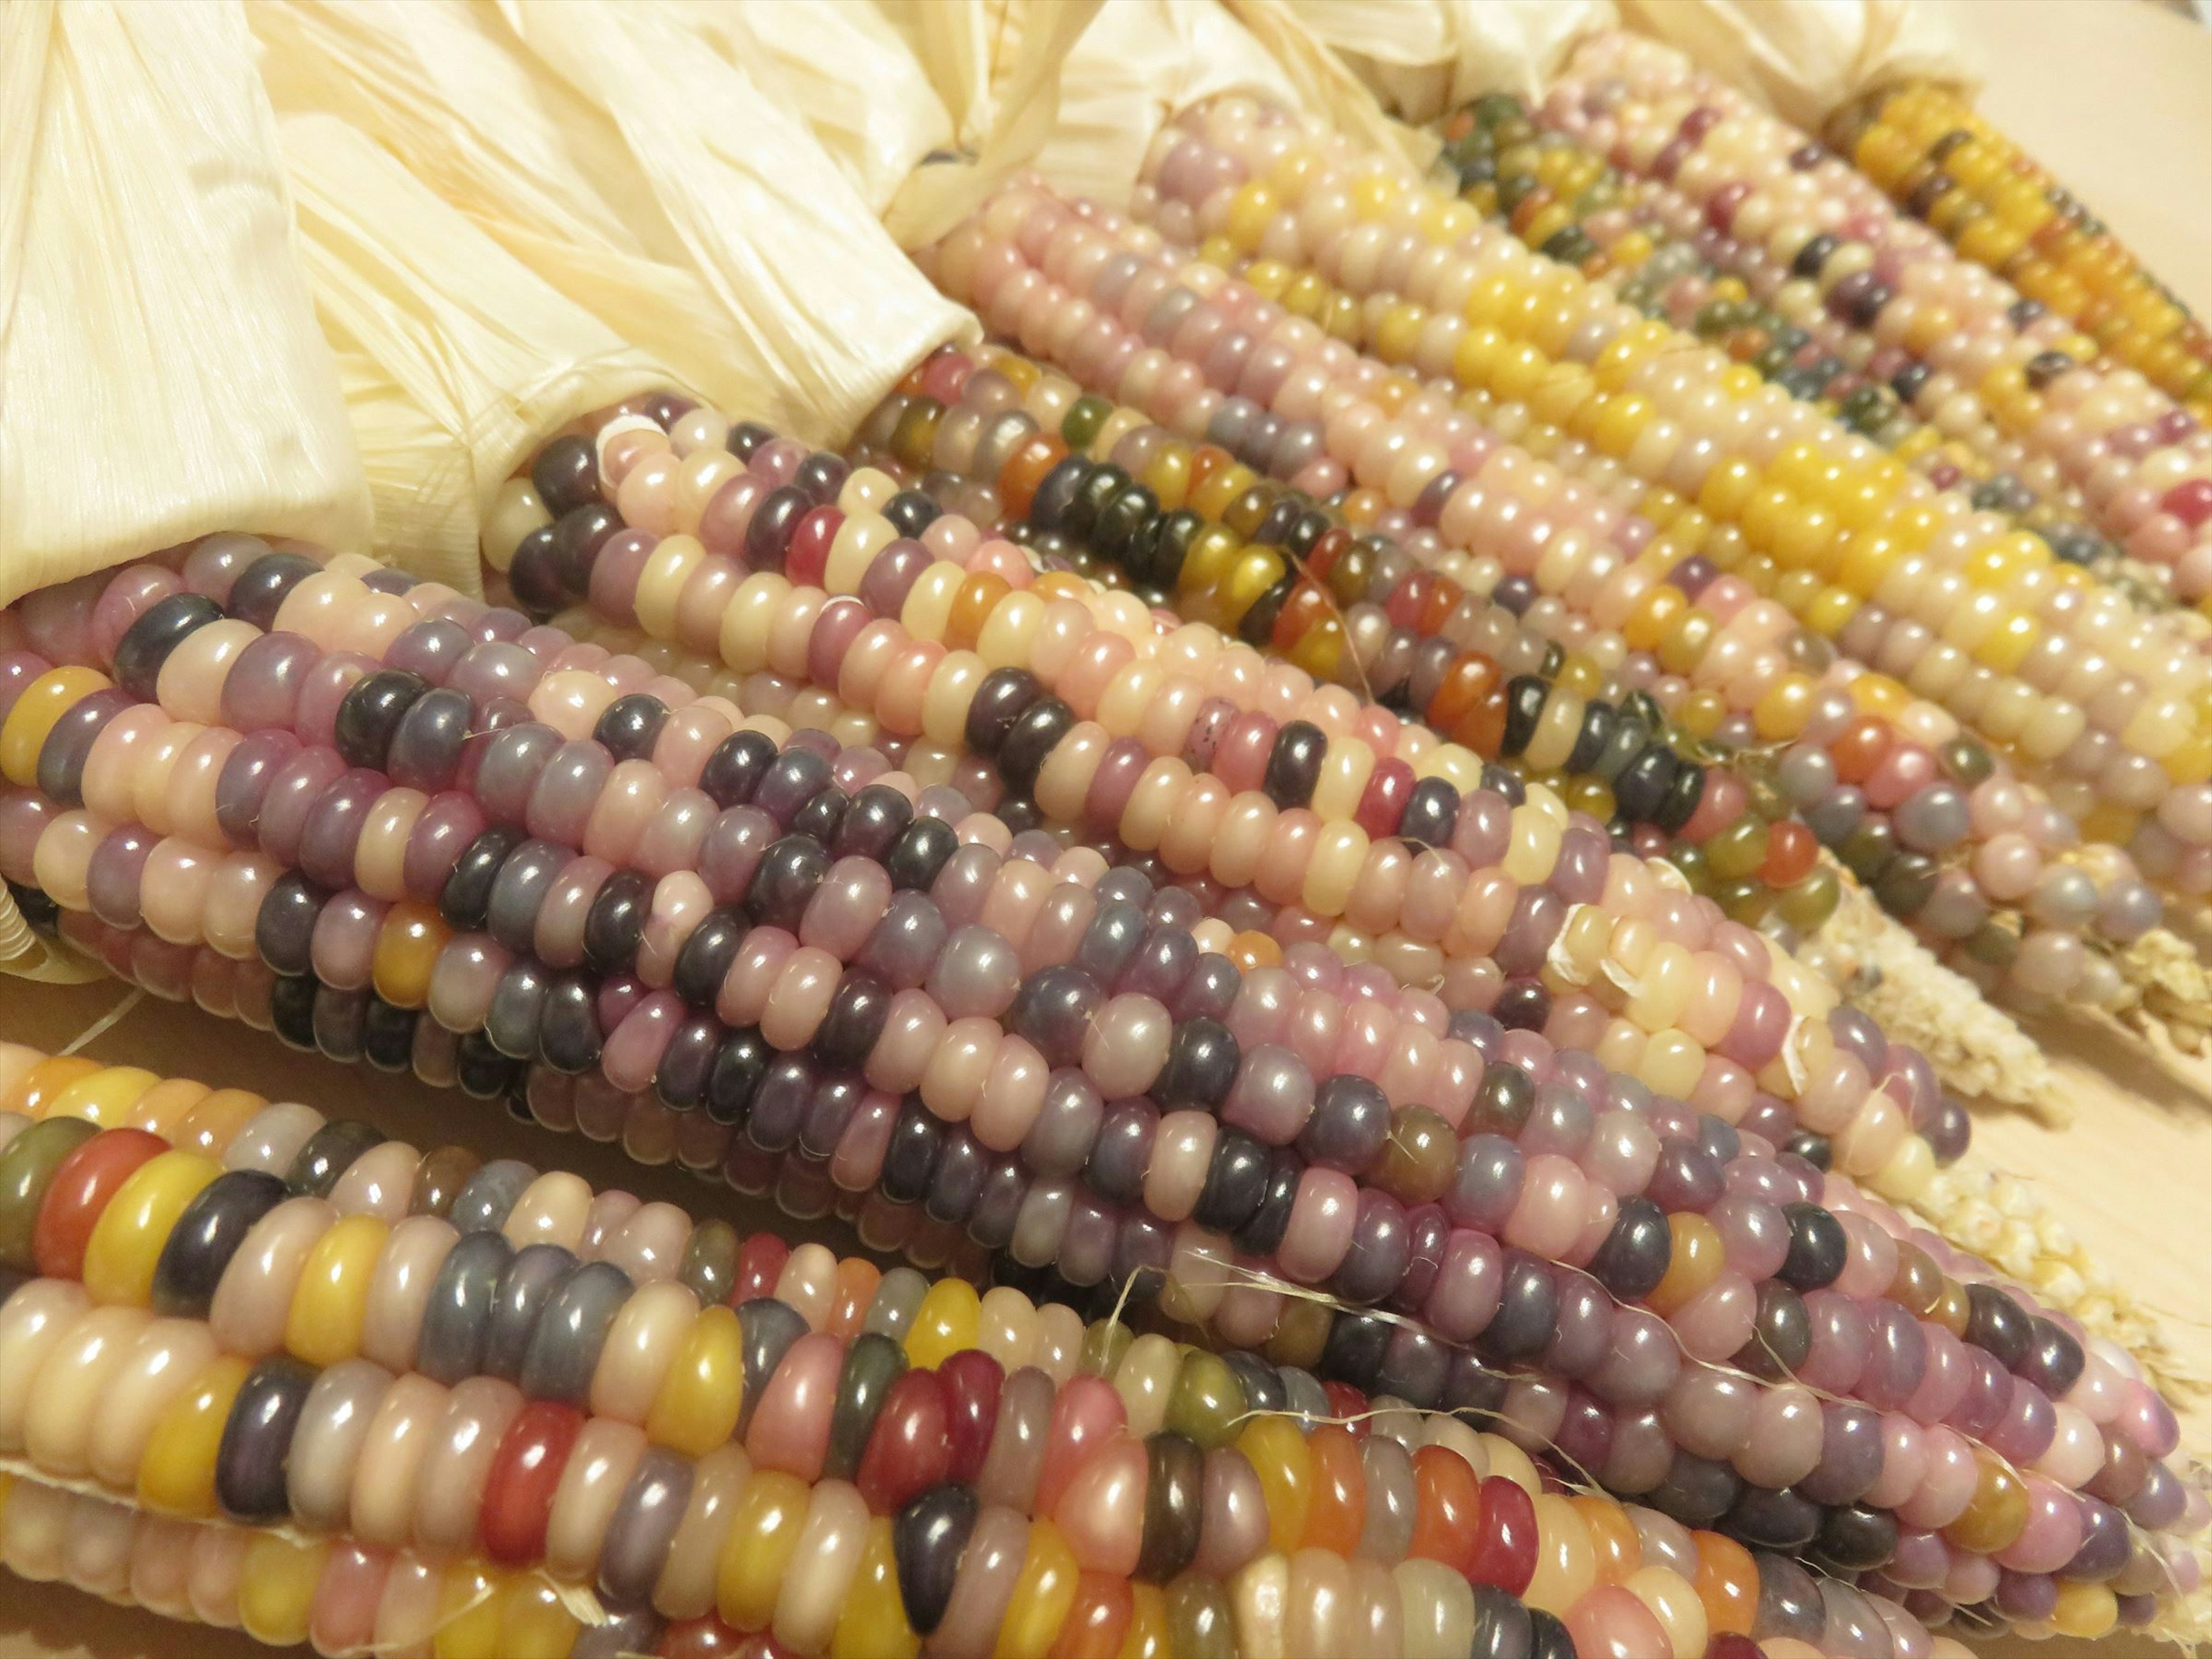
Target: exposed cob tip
2002,1218
1975,1045
2171,993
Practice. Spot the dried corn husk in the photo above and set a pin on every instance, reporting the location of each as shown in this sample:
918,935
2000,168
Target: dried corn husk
844,71
2004,1220
1147,60
833,312
928,106
456,360
160,371
996,67
1143,62
1806,59
646,181
1974,1045
1424,58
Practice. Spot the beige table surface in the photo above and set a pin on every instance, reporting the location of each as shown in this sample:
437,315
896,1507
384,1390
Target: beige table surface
2116,97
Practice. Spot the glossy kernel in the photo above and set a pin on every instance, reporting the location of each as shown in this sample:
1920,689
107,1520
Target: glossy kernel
1044,1592
1277,1454
127,1239
698,1403
1697,1259
949,1319
873,1624
332,1299
176,1474
757,1554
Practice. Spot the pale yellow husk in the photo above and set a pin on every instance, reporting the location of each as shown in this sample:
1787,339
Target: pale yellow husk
996,67
1079,88
2004,1220
1803,58
514,214
1974,1046
2172,992
1424,58
642,176
1806,59
161,373
456,360
925,106
847,72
